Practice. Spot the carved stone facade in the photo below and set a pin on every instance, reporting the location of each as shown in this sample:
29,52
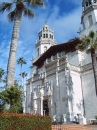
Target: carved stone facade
62,81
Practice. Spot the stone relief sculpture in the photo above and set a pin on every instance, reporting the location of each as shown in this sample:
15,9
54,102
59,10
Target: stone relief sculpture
48,88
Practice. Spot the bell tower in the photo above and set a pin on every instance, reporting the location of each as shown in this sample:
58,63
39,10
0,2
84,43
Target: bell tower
45,40
89,17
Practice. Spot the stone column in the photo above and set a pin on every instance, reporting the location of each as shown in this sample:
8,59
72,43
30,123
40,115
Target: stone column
41,105
68,91
57,91
34,103
41,101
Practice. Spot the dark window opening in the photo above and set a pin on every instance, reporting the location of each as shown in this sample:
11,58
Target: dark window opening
46,35
43,35
86,4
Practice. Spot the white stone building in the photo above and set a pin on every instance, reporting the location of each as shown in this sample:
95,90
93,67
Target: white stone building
62,79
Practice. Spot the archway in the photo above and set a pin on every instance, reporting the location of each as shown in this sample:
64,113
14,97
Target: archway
45,107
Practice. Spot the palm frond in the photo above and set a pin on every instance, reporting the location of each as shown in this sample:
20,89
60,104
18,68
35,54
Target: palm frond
5,6
80,47
27,12
91,34
21,60
34,3
11,16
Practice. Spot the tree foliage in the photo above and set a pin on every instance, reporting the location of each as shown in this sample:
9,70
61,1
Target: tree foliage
88,42
1,73
12,96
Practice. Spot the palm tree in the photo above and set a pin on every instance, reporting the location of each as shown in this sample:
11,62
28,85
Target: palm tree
23,74
21,61
89,43
16,15
1,73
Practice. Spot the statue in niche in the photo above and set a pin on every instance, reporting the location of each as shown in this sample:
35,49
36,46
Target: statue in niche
34,102
34,106
54,118
64,118
49,87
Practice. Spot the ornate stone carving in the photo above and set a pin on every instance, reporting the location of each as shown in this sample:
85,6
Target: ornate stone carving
48,88
86,67
74,68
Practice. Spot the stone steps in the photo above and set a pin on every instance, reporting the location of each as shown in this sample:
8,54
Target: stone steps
70,127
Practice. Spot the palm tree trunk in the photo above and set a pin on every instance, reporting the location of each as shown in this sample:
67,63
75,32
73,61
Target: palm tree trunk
13,48
21,75
94,68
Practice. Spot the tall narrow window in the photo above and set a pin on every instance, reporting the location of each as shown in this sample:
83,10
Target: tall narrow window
39,37
89,2
90,20
37,52
86,4
45,48
43,35
46,35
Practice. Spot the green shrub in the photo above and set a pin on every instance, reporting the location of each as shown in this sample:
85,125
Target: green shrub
12,121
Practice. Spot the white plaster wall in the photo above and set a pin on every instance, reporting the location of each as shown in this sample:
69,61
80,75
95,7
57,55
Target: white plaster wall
42,47
28,99
77,107
95,13
73,58
90,98
86,31
86,58
85,18
86,23
62,85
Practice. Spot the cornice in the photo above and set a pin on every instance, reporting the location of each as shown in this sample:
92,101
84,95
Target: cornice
89,9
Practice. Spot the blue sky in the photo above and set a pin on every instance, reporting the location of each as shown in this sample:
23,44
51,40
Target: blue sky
63,17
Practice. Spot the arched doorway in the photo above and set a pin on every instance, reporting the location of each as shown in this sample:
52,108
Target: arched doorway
45,107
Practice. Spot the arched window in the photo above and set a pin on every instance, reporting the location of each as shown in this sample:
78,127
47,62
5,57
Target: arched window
90,20
95,1
43,35
39,37
46,35
45,48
